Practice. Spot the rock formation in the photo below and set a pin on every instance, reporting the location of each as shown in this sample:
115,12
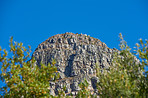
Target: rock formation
76,56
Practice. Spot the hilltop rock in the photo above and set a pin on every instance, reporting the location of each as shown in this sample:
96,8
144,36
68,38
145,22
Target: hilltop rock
76,56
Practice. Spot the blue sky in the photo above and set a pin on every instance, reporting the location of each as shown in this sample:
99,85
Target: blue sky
33,21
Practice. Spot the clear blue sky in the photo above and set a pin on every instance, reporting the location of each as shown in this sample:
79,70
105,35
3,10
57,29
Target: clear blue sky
33,21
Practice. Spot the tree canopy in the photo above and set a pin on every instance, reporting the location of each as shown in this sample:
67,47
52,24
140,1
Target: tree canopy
125,78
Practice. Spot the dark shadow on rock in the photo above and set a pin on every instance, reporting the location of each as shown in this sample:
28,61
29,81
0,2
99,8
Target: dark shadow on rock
94,81
68,68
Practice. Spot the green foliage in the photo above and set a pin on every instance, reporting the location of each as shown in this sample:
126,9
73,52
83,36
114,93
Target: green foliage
22,77
142,53
84,92
125,77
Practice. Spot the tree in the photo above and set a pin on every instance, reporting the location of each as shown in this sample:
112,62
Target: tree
142,53
22,77
84,92
125,77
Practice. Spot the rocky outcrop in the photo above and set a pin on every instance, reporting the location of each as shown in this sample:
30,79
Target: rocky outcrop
76,56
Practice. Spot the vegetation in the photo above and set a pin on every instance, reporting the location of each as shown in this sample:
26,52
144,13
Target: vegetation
22,77
126,78
84,92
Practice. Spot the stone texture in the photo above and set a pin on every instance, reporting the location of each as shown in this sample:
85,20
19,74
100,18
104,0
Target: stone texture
76,56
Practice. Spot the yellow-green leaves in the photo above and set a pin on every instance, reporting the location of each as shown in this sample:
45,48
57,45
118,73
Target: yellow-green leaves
22,77
124,78
84,92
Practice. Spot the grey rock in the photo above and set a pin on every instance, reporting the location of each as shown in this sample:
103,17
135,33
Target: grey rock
73,93
62,75
53,40
52,84
90,71
76,56
52,92
75,86
94,81
71,41
60,40
68,89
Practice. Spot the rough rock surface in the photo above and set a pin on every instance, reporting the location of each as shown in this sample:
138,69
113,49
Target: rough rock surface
76,56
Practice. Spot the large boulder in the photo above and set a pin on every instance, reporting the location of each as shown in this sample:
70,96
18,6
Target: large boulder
76,56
